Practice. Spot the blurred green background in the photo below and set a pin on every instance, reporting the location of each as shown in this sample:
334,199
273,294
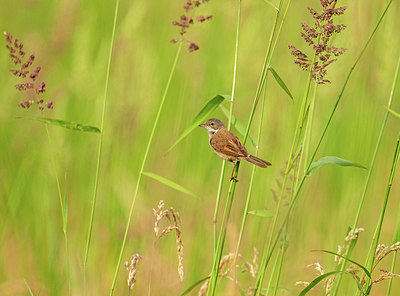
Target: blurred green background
71,42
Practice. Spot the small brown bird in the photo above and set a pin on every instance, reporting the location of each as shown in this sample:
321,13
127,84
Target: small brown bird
228,146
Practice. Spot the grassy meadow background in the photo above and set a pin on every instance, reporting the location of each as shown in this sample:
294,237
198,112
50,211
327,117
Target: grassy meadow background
71,42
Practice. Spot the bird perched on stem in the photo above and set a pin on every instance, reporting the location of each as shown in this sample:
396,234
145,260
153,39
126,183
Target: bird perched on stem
228,146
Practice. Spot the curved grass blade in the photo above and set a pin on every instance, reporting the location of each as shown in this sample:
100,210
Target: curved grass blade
261,213
169,183
393,112
271,4
201,116
280,82
187,291
237,124
67,124
316,281
347,259
332,160
29,288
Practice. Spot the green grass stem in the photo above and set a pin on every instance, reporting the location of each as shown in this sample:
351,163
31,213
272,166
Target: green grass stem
273,244
377,233
375,238
99,151
372,163
218,245
396,238
63,212
221,179
150,141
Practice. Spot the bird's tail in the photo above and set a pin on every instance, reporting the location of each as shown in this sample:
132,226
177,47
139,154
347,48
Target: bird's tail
257,161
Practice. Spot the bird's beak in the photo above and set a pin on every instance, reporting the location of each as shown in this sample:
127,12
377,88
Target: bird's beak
202,125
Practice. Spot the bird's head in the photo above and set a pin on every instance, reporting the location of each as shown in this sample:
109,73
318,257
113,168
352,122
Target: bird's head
213,125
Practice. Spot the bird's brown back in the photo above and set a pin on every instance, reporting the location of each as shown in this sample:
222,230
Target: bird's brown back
227,143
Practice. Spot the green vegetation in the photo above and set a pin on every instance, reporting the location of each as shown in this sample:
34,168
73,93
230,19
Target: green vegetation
79,180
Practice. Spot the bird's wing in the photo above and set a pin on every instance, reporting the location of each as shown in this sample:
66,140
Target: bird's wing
231,146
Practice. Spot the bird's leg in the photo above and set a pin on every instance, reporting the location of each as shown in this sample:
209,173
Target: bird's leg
233,171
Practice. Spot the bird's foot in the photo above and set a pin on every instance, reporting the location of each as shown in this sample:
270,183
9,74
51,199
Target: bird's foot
234,179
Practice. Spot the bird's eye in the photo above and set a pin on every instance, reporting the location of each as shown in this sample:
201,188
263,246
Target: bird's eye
212,123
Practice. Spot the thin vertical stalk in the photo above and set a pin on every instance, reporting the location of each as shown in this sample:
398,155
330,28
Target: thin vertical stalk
246,207
218,246
96,183
372,164
396,238
375,238
268,247
262,84
219,192
222,234
64,218
298,189
308,133
143,164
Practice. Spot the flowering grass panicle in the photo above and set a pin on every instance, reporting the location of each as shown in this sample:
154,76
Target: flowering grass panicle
131,267
319,36
174,224
24,72
185,21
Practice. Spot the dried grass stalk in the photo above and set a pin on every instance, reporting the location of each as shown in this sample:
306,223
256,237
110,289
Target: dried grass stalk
131,267
174,224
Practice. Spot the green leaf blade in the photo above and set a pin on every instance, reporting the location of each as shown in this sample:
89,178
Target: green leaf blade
261,213
347,259
316,281
393,112
201,117
332,160
280,82
67,124
168,183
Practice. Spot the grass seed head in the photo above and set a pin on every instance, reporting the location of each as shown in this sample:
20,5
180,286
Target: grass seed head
131,267
17,55
318,37
174,224
186,21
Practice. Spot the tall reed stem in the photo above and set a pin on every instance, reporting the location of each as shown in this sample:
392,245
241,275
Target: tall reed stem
298,188
371,166
96,183
219,192
375,238
150,141
219,245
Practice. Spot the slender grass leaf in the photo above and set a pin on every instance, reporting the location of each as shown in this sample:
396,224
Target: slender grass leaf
67,124
65,216
201,116
332,160
29,288
280,82
168,183
393,112
316,281
347,259
271,4
191,287
261,213
237,124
